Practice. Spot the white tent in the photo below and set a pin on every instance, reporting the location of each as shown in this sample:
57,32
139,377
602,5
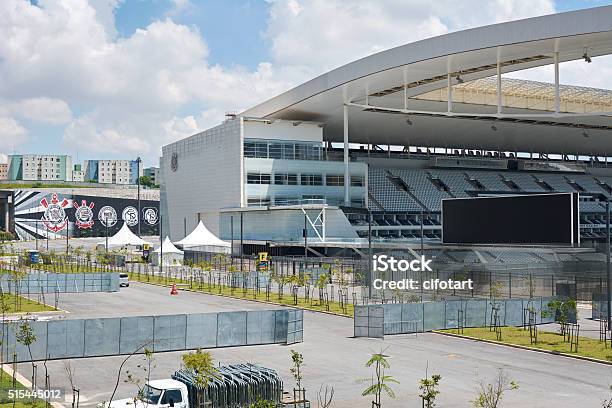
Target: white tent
204,240
171,254
125,237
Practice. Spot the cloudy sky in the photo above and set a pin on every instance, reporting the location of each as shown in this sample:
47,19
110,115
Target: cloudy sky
120,78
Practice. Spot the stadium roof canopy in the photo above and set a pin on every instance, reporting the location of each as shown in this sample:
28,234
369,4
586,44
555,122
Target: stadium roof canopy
400,96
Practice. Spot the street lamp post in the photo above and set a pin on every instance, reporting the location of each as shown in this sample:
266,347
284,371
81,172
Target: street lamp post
369,274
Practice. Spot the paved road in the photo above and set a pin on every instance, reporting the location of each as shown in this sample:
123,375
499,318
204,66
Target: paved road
332,357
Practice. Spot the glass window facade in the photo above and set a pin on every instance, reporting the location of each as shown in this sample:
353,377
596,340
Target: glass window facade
311,179
334,180
258,178
285,150
286,179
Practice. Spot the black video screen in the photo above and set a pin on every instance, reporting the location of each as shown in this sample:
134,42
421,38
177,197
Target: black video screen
549,219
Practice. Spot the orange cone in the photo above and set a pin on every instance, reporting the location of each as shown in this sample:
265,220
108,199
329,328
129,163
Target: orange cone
174,291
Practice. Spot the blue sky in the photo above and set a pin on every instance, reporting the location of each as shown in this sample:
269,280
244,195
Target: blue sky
120,78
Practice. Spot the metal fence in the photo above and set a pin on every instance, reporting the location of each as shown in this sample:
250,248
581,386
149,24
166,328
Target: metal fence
576,279
73,338
401,318
42,282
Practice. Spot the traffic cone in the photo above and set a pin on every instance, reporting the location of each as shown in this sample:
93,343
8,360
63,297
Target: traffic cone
174,291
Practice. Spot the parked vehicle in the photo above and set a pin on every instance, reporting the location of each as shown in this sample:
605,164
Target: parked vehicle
234,386
124,279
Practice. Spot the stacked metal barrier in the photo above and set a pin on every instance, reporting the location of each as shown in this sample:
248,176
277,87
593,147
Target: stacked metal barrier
235,386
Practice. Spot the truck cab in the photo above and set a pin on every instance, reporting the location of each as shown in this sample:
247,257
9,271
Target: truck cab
165,393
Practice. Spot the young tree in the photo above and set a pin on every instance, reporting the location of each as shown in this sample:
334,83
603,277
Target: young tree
298,361
324,398
489,395
201,364
379,382
25,336
429,390
133,378
70,374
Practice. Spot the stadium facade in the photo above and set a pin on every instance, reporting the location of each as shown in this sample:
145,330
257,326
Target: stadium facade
397,132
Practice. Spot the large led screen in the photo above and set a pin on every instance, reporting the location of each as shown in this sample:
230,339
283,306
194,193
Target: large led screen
549,219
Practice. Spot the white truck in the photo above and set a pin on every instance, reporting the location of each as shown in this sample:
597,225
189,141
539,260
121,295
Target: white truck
165,393
233,386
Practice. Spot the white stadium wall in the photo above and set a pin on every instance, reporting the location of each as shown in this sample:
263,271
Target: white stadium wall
201,174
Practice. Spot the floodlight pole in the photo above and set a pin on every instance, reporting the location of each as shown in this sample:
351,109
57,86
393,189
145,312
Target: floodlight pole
138,160
608,263
36,234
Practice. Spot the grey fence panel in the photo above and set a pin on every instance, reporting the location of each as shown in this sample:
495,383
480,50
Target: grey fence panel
360,322
231,329
65,338
412,312
201,330
549,316
21,351
452,314
280,326
475,313
268,321
170,332
101,337
434,316
254,327
136,333
513,312
376,321
392,318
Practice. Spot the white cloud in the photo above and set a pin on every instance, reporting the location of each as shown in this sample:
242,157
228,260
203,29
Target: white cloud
12,134
323,34
46,110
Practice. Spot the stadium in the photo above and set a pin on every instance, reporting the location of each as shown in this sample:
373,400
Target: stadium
394,134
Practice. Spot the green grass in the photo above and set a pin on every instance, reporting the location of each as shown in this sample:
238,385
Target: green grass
250,294
6,383
24,305
587,347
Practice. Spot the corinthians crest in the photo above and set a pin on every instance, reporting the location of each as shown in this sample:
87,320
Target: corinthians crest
54,217
84,214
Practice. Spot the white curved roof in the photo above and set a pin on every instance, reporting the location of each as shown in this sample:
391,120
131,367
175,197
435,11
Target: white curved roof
201,236
422,66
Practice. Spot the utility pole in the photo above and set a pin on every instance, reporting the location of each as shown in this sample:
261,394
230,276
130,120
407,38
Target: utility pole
138,160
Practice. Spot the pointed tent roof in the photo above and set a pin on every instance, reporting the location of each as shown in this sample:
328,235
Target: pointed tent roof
168,248
201,236
124,237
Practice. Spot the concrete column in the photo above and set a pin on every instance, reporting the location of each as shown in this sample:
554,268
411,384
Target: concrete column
557,97
347,176
7,225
